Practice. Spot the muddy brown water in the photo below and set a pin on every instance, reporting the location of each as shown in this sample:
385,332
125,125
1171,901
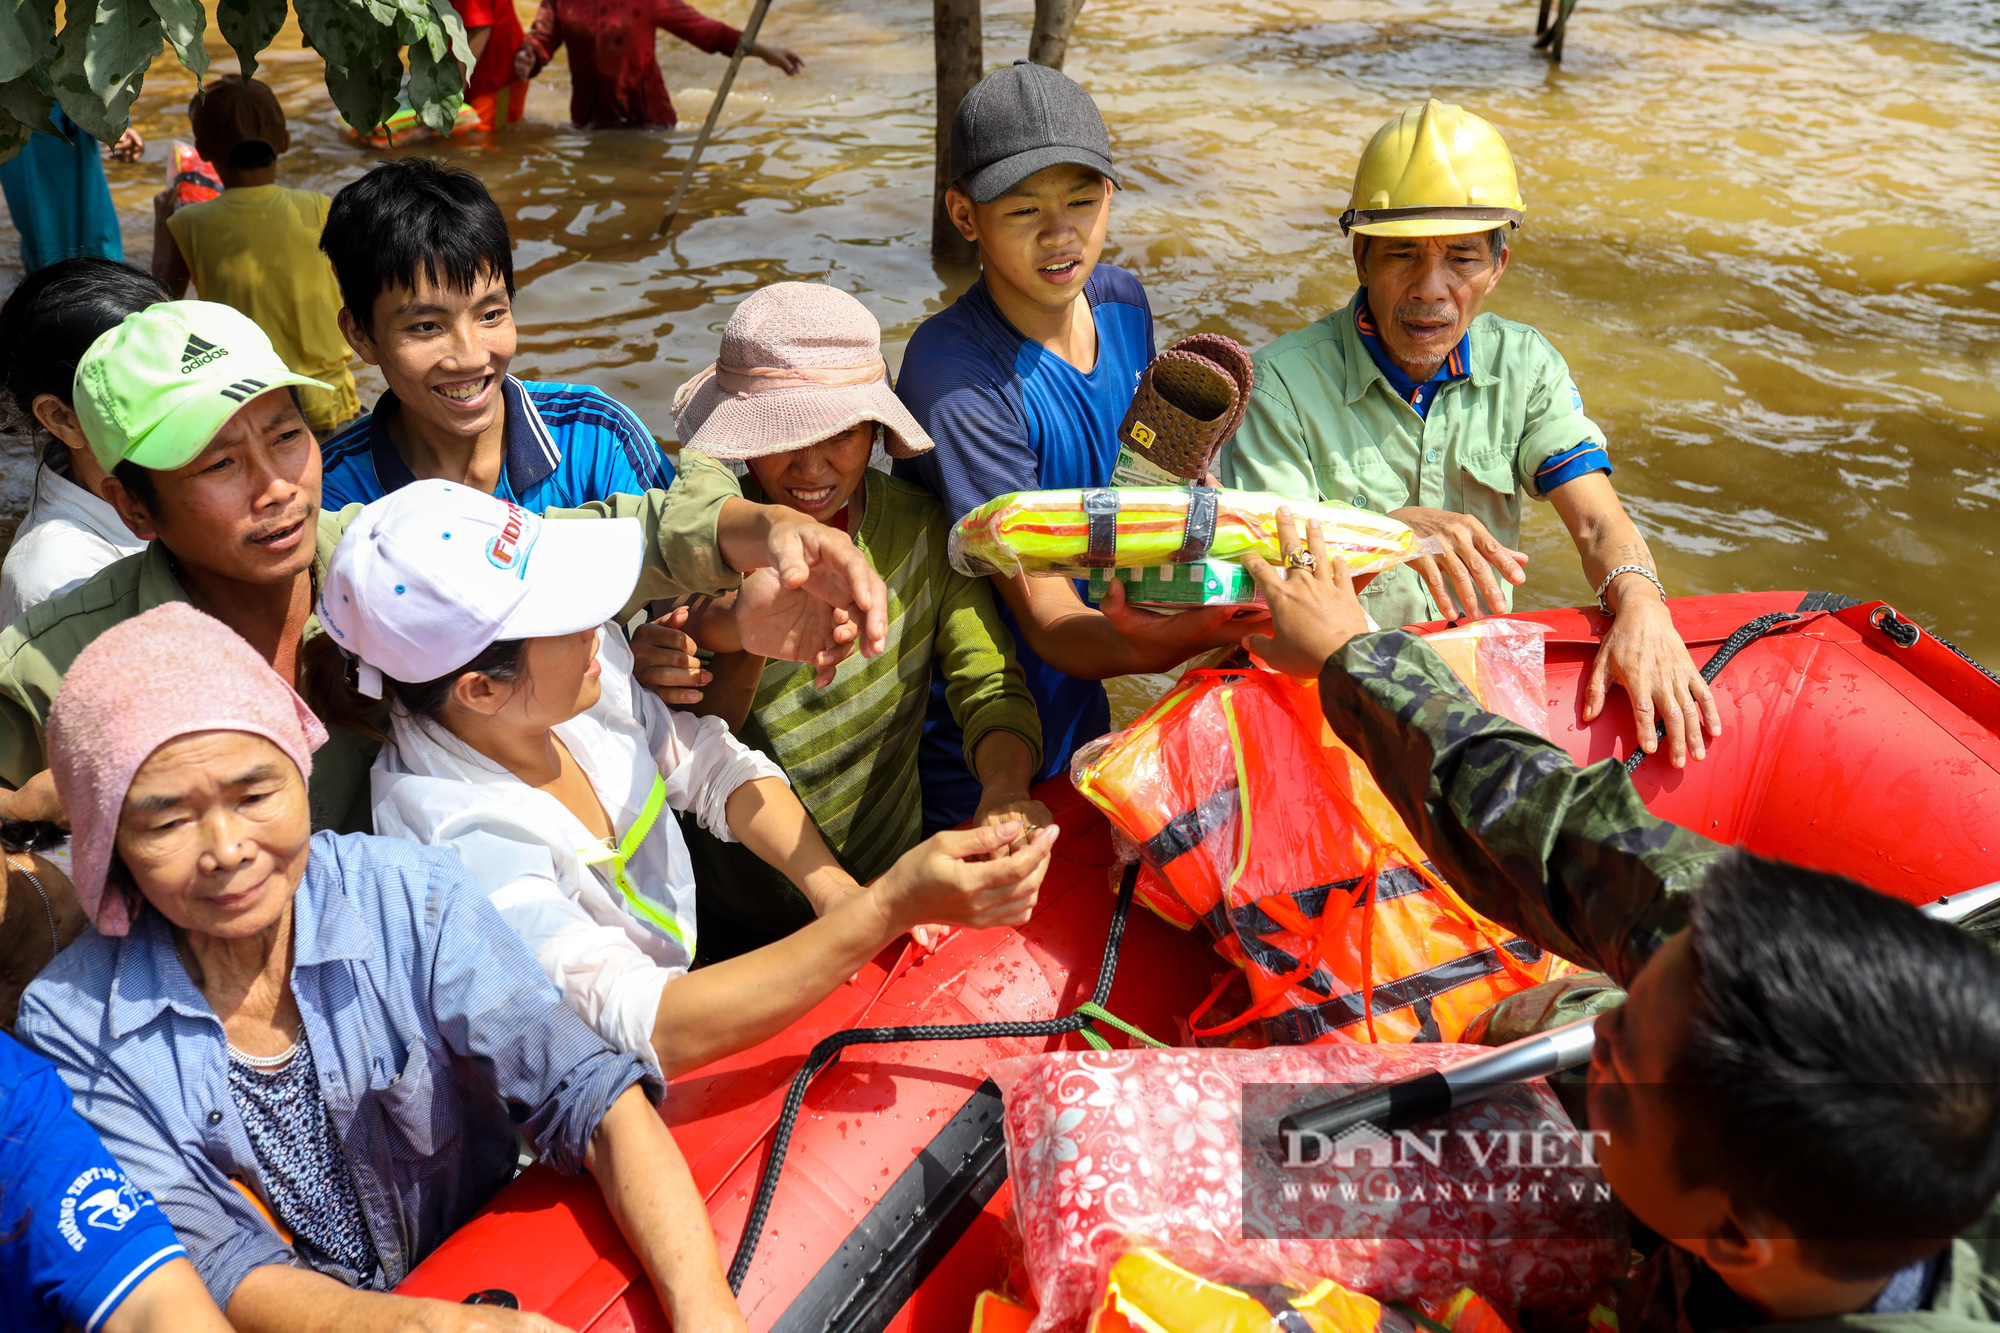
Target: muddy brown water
1765,233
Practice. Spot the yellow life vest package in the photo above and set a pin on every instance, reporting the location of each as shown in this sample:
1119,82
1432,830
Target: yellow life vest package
1071,533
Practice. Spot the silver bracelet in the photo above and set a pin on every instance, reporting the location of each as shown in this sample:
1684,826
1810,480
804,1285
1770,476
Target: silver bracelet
1605,586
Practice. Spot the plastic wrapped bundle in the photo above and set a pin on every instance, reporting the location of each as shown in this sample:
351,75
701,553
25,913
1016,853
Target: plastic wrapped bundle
1149,1293
1115,1150
1501,662
1254,820
1073,532
190,177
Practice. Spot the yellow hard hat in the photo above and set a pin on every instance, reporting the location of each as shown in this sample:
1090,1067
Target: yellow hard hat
1434,170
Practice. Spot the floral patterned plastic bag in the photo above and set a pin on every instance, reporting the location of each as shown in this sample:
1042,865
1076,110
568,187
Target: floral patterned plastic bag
1118,1149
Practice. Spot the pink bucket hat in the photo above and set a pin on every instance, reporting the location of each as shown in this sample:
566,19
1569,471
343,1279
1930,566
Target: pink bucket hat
154,678
800,361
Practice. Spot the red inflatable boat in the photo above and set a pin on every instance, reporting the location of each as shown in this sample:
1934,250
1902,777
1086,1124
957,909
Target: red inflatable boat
1854,742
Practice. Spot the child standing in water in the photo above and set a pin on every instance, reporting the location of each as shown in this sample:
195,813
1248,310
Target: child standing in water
520,740
799,395
255,246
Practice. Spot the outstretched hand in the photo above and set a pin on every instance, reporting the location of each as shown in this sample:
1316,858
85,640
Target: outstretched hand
824,563
779,58
969,877
793,625
664,661
1314,610
1643,652
1165,640
1466,563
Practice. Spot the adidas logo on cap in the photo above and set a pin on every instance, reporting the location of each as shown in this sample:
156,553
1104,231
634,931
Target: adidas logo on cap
198,353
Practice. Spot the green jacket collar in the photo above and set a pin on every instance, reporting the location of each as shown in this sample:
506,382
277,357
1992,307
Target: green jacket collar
158,584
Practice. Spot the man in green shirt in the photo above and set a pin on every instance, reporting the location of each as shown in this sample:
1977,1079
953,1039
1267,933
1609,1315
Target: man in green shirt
190,410
1797,1091
1409,401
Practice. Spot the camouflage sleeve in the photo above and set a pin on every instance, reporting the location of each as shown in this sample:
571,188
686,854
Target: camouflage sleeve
1568,858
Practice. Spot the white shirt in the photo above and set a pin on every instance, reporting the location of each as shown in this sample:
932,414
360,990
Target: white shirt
68,535
528,851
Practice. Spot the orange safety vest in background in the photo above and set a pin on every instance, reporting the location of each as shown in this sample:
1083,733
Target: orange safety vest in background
1255,821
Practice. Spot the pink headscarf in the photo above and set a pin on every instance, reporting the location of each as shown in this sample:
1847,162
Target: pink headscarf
154,678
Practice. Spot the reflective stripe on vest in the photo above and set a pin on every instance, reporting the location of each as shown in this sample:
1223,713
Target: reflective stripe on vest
646,909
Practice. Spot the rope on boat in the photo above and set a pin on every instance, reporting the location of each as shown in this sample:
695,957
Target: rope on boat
1744,636
1905,633
822,1055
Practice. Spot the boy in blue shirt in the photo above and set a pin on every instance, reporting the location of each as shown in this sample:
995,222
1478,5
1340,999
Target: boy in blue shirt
1022,383
79,1244
426,272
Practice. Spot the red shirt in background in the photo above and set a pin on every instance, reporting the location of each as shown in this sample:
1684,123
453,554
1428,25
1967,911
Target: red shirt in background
495,69
614,76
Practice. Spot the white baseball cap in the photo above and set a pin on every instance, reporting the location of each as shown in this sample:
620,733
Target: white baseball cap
429,577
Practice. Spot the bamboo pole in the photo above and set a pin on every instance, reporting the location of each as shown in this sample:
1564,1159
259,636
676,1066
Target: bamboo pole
743,46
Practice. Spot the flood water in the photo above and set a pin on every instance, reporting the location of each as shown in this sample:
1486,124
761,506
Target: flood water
1765,235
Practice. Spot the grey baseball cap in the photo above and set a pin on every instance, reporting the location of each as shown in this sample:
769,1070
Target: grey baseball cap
1021,120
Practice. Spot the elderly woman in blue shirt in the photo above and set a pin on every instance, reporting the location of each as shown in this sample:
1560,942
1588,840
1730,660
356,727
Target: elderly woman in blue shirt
314,1050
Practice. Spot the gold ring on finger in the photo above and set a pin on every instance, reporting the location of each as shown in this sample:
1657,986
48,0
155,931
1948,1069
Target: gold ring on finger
1302,560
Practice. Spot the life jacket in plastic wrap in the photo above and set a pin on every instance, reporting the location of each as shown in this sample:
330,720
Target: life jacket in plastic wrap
1147,1293
1253,820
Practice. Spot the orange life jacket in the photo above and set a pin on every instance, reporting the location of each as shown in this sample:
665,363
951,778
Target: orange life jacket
1254,820
1466,1311
1147,1293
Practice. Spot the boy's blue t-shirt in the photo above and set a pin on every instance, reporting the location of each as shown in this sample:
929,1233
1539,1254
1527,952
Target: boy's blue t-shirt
567,444
76,1236
1007,414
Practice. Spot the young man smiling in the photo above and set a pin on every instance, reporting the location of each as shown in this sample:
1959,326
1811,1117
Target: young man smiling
426,271
1798,1090
1022,383
188,408
1409,401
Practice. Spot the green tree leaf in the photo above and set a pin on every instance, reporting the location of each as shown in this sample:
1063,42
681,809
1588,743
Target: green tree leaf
437,87
455,38
248,26
13,136
183,22
28,101
26,28
101,57
364,68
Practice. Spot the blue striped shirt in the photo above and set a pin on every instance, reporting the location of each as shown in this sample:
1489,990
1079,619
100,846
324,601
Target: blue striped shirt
433,1029
567,444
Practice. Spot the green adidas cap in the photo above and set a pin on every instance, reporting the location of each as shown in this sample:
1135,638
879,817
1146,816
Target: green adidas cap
157,387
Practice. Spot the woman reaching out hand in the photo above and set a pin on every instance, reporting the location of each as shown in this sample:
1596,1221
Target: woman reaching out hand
520,739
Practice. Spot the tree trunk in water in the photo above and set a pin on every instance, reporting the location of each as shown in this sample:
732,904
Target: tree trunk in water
1055,20
955,30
